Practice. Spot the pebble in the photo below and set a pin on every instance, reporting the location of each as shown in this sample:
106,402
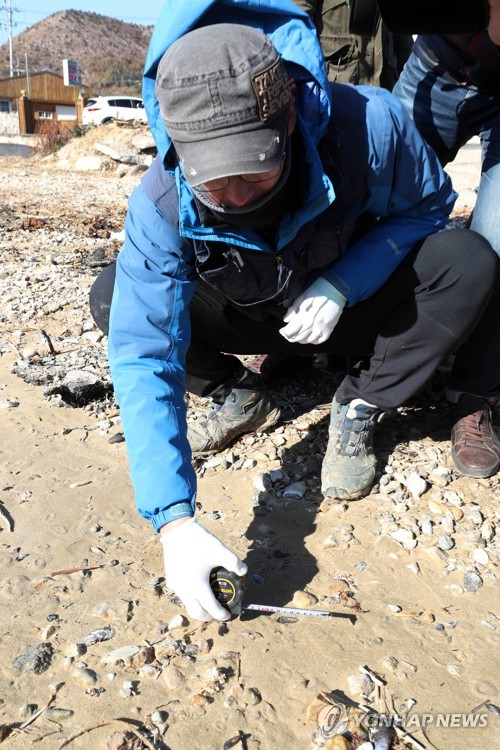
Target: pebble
159,717
9,403
75,649
262,482
251,696
57,714
118,437
414,567
448,524
472,581
86,677
177,621
296,490
330,541
445,542
416,485
475,517
403,536
426,527
480,556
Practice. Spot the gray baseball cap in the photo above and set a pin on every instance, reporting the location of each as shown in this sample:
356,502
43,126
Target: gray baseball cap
225,97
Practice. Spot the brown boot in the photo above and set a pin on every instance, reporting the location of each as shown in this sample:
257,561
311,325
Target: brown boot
475,448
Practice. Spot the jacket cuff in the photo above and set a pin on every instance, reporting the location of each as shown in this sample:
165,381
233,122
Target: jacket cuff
327,288
172,513
340,285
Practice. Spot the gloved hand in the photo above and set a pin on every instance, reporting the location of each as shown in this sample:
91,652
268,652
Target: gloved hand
314,314
190,552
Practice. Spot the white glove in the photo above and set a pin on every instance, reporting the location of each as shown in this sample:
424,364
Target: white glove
314,314
190,552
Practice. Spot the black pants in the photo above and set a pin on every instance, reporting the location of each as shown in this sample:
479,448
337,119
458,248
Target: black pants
424,312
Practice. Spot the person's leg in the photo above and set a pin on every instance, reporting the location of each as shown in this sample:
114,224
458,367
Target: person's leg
441,292
477,365
475,376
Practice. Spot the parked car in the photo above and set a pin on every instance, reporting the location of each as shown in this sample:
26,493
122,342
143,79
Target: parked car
102,109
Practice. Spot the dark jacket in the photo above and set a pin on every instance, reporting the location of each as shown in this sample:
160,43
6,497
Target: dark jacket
375,60
469,59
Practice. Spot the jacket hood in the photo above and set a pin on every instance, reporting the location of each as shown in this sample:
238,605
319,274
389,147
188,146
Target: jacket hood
290,29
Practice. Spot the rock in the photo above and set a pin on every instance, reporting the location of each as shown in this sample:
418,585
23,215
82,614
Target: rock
296,490
251,696
360,684
177,621
86,677
445,542
173,678
480,556
143,141
36,659
9,403
75,649
27,710
472,581
330,541
125,157
145,656
403,535
123,654
89,164
304,600
416,485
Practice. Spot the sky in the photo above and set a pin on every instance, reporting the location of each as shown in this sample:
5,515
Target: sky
26,13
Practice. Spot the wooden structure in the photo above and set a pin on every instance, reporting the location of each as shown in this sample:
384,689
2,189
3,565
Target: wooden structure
44,101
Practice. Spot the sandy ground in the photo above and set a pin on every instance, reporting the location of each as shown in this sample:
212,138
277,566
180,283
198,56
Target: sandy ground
67,502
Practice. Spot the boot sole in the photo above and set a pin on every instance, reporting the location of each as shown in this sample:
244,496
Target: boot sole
352,496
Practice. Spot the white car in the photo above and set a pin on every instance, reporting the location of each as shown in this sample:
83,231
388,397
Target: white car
102,109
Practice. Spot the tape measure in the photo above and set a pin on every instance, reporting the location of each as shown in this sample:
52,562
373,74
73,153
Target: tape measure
229,589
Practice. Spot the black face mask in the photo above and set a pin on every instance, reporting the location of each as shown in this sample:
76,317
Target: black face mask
265,212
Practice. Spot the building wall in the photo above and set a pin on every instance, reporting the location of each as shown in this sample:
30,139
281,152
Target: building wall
9,123
48,87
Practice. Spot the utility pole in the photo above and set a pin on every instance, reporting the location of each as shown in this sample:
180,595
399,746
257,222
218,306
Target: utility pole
10,10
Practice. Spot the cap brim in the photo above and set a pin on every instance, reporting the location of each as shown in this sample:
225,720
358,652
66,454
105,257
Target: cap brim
247,152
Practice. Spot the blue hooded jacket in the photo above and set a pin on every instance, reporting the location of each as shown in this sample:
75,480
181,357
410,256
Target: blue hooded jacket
386,168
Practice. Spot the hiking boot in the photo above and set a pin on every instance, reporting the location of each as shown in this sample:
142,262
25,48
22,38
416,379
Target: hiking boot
349,465
244,406
475,448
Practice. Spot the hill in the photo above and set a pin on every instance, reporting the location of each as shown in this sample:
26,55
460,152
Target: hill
110,53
